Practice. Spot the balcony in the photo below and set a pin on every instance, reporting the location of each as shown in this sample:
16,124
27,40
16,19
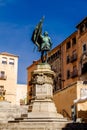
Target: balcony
74,73
73,57
3,77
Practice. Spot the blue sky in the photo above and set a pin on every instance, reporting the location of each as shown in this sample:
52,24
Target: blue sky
18,18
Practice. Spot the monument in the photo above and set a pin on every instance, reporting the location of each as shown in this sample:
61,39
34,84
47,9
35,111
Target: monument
42,77
44,114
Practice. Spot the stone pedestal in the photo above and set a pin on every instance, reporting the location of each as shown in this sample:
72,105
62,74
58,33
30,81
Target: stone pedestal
43,105
44,113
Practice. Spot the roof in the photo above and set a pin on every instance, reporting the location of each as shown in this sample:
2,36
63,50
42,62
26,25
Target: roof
8,54
85,19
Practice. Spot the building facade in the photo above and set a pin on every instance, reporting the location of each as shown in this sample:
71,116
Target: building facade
69,61
8,75
8,78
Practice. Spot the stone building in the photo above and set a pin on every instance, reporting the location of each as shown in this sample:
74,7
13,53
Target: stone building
69,62
8,77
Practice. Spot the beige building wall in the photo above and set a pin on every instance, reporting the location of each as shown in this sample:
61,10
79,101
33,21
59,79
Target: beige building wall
8,75
65,98
21,94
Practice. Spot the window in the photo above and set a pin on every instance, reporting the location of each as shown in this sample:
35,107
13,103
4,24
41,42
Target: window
74,41
82,28
54,56
74,73
84,47
68,45
74,56
4,60
84,68
68,59
2,73
58,53
68,74
11,61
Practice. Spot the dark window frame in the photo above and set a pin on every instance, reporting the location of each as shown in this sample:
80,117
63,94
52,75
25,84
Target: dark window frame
73,41
68,45
4,60
11,62
68,74
68,59
84,47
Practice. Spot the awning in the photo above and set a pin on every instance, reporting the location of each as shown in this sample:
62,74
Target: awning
80,100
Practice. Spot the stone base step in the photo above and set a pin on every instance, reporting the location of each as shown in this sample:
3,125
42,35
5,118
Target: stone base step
43,126
33,126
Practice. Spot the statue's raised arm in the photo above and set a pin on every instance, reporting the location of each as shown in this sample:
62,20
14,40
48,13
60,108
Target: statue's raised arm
43,42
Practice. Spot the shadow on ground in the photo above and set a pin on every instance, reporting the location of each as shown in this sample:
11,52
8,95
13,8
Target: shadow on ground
75,126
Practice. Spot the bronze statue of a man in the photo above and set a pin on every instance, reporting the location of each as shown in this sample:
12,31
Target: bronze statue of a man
43,42
46,45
